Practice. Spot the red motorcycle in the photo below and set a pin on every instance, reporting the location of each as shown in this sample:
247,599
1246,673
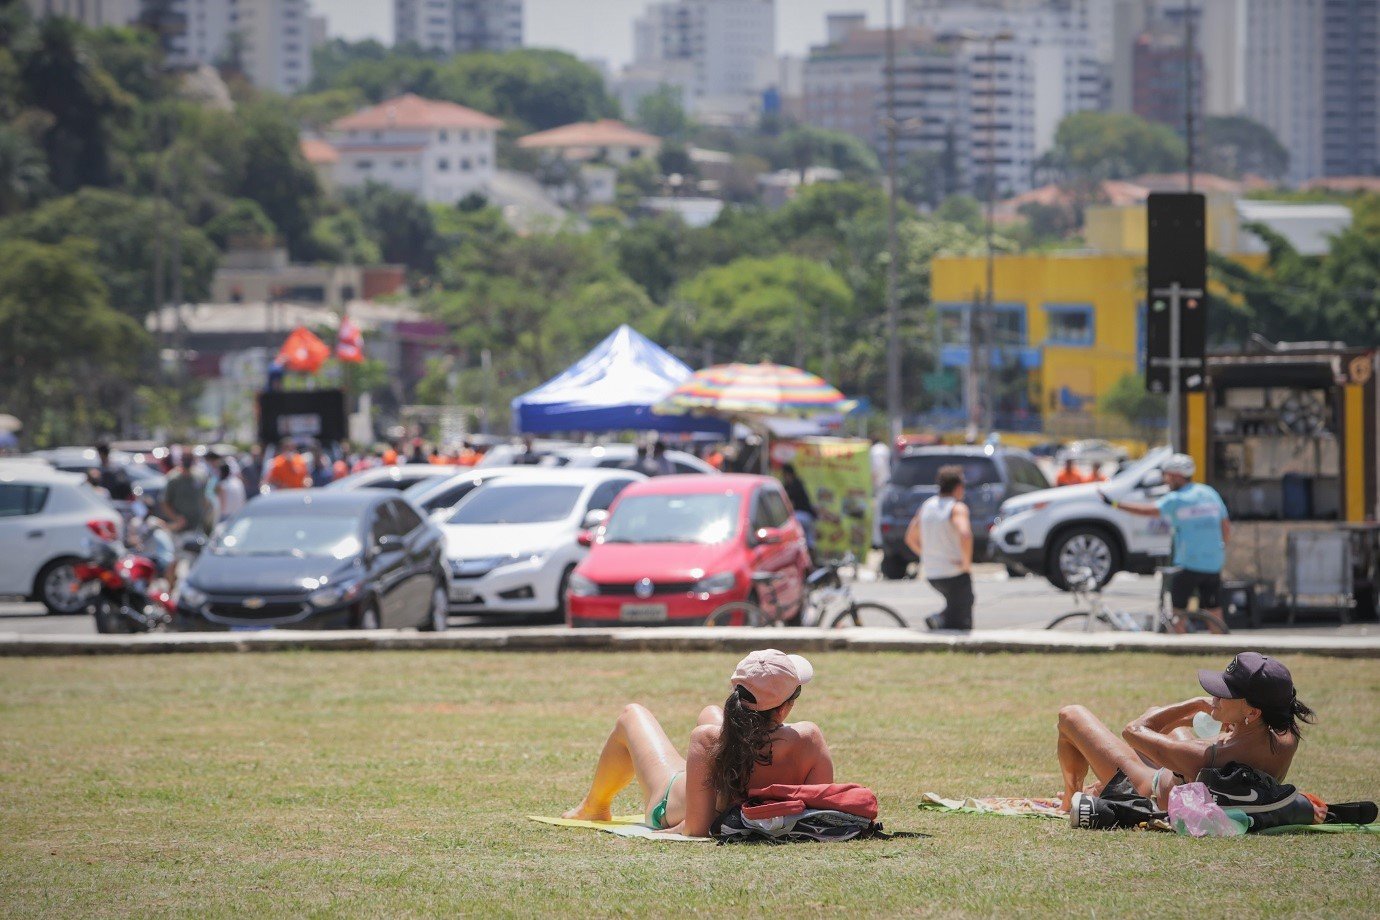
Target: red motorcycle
128,591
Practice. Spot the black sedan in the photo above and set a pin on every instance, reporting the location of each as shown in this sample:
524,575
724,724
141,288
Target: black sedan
319,559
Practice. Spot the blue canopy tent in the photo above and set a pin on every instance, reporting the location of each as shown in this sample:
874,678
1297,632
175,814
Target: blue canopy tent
613,388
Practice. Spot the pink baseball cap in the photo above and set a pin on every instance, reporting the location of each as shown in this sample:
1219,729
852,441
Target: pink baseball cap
771,677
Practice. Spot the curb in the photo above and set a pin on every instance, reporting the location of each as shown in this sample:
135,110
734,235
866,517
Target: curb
682,639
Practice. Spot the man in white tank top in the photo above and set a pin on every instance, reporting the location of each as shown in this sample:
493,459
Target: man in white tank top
941,534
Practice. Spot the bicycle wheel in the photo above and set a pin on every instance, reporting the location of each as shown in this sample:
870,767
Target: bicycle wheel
737,613
869,614
1196,621
1080,621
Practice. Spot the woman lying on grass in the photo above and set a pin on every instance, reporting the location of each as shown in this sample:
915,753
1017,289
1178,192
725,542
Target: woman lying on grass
1253,699
745,745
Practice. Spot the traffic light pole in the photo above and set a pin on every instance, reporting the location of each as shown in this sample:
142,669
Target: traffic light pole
1176,295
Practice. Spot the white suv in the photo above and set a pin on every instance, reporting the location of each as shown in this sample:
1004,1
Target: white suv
1055,532
44,515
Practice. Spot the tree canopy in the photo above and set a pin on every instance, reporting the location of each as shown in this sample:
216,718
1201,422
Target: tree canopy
1093,146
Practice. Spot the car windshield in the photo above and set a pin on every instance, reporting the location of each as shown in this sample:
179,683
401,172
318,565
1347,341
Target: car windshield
526,504
923,470
1151,461
300,535
673,519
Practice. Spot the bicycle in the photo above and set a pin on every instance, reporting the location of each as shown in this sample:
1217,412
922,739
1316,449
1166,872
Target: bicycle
1100,617
828,600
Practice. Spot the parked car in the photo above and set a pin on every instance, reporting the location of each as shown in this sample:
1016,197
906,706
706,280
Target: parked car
146,482
398,478
991,474
316,559
1092,452
614,456
512,543
438,496
1055,532
44,522
675,548
507,454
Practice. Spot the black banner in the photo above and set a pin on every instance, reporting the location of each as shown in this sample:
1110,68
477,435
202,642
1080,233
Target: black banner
1177,241
302,415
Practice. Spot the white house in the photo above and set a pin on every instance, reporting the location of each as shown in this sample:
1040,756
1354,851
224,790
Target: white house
438,151
596,148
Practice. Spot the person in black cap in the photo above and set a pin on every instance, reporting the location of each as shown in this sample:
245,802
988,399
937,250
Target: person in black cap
1253,700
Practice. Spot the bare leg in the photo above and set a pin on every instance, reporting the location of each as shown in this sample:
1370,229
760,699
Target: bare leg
1085,742
637,748
1180,624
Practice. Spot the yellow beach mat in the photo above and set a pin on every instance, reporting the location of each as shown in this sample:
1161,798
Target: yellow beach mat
622,825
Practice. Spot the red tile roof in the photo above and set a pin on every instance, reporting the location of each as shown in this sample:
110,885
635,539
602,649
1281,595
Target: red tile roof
318,152
606,132
413,112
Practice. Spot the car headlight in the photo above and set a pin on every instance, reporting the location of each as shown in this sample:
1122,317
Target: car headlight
580,586
526,558
187,596
721,583
335,594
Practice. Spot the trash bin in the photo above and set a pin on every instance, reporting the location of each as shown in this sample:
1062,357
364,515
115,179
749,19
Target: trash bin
1238,605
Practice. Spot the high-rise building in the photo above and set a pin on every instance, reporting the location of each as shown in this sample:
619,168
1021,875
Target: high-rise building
712,51
270,41
454,26
1162,80
1313,77
94,13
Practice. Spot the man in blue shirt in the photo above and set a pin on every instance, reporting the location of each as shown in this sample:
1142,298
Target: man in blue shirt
1201,528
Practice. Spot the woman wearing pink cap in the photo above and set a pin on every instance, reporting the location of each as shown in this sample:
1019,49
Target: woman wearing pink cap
745,745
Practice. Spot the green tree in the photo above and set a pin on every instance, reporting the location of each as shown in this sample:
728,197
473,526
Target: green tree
269,168
23,171
1092,146
243,220
1130,400
60,342
803,146
341,237
1236,146
123,230
537,88
662,113
401,224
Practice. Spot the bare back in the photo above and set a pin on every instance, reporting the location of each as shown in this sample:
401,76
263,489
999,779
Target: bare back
1254,750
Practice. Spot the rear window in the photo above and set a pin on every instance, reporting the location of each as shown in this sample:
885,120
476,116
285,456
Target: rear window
923,470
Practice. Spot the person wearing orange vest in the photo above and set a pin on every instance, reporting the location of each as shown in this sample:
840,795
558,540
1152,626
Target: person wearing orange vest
1069,475
288,470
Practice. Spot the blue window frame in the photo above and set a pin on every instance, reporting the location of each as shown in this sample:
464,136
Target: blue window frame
1070,324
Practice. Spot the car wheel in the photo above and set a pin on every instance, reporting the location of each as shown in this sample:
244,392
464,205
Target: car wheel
369,616
58,589
561,614
438,617
894,567
1083,547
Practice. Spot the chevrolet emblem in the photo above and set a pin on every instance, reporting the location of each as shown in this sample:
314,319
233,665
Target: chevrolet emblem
253,603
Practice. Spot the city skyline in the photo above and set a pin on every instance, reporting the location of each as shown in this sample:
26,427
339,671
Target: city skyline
568,25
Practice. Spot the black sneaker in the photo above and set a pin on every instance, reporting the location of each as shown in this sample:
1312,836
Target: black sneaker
1090,813
1258,795
1351,813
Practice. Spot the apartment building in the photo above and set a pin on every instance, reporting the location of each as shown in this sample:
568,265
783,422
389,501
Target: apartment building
439,151
455,26
93,13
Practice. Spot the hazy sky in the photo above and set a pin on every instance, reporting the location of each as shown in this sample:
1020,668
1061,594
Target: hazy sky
601,28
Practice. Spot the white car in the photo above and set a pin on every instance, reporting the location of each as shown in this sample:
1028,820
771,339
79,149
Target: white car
513,543
400,477
437,497
44,515
613,456
1055,532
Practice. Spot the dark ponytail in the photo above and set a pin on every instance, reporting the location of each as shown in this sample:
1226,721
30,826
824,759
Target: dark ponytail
744,742
1285,719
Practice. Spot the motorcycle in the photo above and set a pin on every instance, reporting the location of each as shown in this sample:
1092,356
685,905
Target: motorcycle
128,591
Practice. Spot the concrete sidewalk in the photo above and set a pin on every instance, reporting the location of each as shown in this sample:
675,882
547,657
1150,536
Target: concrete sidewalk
688,639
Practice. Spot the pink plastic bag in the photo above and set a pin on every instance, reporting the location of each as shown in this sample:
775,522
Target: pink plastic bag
1192,811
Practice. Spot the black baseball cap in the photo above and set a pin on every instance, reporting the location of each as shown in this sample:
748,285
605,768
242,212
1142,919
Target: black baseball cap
1258,679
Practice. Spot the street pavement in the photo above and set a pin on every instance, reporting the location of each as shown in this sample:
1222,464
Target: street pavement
1002,603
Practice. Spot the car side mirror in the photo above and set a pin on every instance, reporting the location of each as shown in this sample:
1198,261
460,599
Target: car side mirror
594,518
767,537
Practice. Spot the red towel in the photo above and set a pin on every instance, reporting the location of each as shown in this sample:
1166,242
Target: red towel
846,797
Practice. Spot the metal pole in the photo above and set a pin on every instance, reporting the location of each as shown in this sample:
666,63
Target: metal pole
1175,423
1188,87
986,403
893,342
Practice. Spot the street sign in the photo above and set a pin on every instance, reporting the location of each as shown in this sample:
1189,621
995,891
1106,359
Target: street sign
1177,256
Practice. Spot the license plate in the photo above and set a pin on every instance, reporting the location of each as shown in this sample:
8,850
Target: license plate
643,613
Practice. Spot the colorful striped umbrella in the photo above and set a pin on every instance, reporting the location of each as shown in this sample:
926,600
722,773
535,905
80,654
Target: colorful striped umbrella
756,389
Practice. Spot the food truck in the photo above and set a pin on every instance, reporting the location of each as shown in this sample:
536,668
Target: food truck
1287,434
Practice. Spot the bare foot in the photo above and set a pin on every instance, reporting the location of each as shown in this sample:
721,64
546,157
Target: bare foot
583,812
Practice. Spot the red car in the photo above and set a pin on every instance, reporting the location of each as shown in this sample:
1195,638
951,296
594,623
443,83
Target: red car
675,548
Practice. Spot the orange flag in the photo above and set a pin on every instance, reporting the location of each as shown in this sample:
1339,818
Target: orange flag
303,352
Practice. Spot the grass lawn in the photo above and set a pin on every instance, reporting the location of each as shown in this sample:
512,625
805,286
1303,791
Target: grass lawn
393,784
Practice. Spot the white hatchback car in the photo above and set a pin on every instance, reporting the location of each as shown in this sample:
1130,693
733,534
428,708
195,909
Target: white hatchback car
512,544
614,456
44,515
399,477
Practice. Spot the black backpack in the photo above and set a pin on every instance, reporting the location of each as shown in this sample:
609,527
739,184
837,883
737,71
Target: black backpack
817,824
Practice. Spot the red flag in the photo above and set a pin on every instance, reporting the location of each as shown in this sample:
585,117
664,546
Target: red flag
349,342
303,352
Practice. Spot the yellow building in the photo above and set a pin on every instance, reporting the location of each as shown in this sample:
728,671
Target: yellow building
1073,320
